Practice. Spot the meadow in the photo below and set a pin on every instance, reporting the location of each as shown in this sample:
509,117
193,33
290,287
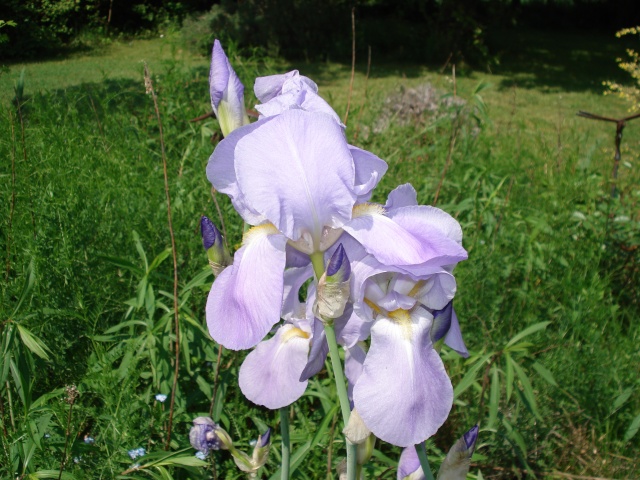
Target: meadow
548,300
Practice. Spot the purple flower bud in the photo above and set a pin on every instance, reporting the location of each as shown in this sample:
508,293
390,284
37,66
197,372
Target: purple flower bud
213,244
210,234
470,438
338,269
264,439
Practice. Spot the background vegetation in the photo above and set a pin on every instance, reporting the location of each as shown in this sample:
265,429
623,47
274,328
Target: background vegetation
548,299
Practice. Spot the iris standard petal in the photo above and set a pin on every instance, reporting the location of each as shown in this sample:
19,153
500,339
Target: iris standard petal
304,180
297,100
222,174
403,374
271,86
270,375
402,196
246,298
422,218
393,244
437,290
369,170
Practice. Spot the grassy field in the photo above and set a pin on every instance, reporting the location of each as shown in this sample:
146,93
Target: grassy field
84,217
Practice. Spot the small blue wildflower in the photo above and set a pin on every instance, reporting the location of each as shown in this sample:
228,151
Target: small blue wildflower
161,397
201,455
89,440
47,435
77,459
136,452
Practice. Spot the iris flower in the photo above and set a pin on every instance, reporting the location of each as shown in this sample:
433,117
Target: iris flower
402,371
294,177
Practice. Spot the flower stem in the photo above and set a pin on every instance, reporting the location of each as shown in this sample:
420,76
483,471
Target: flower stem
341,387
317,260
338,375
286,444
424,461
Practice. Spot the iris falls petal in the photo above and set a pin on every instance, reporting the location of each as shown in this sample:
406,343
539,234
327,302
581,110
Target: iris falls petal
403,374
246,298
270,375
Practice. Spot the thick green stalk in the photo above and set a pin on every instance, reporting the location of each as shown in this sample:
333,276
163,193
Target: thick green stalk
424,461
286,443
338,375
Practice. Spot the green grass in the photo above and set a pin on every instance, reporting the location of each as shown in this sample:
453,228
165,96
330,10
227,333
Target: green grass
530,188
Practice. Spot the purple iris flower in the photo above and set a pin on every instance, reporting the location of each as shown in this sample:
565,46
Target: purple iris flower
227,92
203,435
295,177
399,302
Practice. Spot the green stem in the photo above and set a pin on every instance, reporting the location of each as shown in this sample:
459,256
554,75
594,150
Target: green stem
338,375
286,444
317,260
424,461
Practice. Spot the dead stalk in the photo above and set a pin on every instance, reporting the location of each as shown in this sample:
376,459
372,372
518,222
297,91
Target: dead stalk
149,85
353,61
365,97
452,142
215,380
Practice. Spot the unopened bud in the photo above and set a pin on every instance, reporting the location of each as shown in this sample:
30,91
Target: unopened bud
333,287
457,462
338,269
261,449
213,243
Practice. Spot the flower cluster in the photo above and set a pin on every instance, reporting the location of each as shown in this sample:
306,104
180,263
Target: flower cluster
383,271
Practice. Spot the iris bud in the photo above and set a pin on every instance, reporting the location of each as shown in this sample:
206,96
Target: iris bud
458,460
261,449
213,243
333,287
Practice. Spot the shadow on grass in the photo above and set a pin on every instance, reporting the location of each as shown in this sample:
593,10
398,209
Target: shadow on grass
551,60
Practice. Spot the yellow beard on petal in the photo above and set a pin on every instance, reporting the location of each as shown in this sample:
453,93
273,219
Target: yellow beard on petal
292,333
367,209
259,231
403,319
